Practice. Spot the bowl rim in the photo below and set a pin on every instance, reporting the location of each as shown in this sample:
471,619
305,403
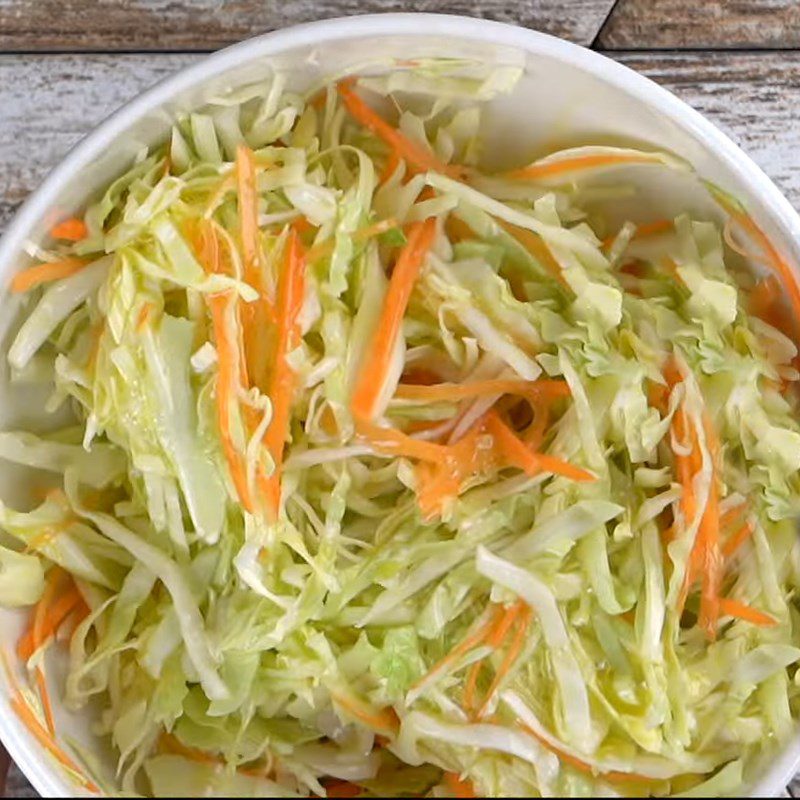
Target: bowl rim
22,748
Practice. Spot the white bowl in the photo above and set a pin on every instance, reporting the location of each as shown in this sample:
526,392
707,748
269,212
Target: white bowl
568,94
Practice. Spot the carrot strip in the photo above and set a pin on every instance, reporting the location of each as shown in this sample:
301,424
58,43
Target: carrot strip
519,456
776,261
509,659
394,442
732,515
733,608
46,272
499,631
341,789
44,695
376,365
536,246
708,534
72,230
55,616
171,744
389,168
416,155
291,293
227,355
551,169
361,235
612,776
383,720
737,539
41,735
644,231
462,648
471,686
454,391
457,786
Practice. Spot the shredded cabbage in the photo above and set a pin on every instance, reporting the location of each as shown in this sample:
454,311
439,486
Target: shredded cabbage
388,476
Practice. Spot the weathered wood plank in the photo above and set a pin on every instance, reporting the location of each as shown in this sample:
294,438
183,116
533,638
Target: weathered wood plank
17,784
685,24
49,102
196,25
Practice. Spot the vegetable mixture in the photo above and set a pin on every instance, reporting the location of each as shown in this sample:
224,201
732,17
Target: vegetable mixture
387,475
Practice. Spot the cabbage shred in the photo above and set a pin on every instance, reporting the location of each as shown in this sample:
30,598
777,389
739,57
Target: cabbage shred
557,556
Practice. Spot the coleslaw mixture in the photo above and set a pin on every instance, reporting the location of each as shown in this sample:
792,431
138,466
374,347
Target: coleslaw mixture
390,476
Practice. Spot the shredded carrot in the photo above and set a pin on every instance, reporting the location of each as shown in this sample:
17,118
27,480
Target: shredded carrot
53,617
394,442
257,315
419,376
536,246
476,638
514,649
376,365
41,735
462,391
471,687
143,316
737,539
338,788
46,272
291,293
362,235
458,230
644,231
733,608
457,786
552,169
780,266
44,695
708,534
169,743
71,230
227,355
534,435
518,455
732,514
612,776
416,155
390,167
383,720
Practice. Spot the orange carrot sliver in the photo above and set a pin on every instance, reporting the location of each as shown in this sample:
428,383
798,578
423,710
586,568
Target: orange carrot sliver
383,720
394,442
71,230
510,657
733,608
644,231
536,246
552,169
41,735
611,776
462,391
376,365
737,539
520,456
46,272
457,786
416,155
55,615
44,695
291,293
227,356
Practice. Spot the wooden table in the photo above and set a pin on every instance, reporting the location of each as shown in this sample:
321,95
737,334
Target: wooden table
66,64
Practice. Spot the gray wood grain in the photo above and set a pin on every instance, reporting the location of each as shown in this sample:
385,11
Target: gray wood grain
17,784
685,24
49,102
62,25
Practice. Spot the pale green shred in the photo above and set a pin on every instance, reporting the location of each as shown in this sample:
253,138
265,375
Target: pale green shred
526,637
